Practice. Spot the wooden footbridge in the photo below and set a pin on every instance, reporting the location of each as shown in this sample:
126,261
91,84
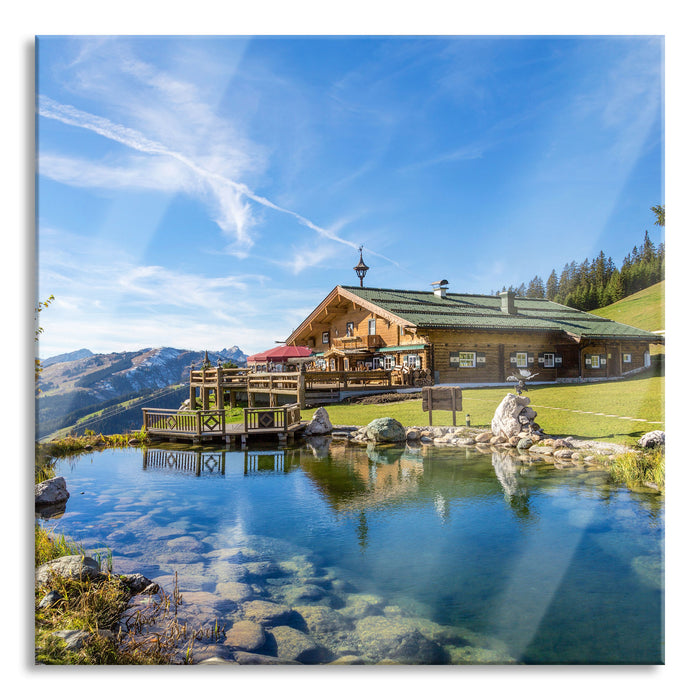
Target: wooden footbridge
198,426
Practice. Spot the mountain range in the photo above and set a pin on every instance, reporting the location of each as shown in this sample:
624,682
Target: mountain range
78,384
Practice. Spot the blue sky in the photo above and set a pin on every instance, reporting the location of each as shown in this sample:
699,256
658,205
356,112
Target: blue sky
206,192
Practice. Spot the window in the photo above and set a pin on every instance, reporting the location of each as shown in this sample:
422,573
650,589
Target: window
549,359
467,359
389,362
595,361
333,364
521,359
325,338
349,329
372,327
377,363
626,357
412,361
346,364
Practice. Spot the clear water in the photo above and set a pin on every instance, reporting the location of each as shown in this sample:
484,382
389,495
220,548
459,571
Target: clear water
558,565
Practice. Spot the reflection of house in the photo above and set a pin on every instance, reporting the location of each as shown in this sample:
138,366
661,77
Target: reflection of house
467,338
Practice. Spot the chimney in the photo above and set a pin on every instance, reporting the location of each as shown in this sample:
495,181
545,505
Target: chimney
507,302
440,288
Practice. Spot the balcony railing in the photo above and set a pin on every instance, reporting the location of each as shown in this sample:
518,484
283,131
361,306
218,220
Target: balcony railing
359,342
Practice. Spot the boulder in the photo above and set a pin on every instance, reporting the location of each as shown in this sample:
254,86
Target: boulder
322,620
506,420
386,430
138,583
74,639
483,437
294,645
75,567
50,599
397,640
237,591
246,635
248,658
652,439
267,613
51,491
524,443
320,423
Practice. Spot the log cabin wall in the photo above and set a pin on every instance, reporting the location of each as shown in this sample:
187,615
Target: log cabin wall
495,350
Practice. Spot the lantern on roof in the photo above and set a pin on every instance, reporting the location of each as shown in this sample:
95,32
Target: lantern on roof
361,269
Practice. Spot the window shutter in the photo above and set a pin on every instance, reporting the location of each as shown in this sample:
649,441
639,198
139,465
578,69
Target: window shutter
481,357
512,358
558,360
603,360
588,359
454,359
530,359
540,359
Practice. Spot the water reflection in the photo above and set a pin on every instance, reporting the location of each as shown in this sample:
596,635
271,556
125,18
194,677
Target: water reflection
196,462
514,491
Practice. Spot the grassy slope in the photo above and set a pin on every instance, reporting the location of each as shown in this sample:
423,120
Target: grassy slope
638,397
643,310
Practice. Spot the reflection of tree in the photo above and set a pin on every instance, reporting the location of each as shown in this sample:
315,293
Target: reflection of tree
515,494
362,530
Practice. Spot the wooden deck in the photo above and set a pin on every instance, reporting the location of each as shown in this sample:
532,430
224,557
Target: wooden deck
175,425
305,388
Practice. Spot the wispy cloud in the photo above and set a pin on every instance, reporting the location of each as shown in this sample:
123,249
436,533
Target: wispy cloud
469,152
233,213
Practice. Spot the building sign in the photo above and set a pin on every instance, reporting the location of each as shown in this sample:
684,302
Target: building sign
442,398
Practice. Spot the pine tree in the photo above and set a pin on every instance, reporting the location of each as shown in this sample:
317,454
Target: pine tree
552,286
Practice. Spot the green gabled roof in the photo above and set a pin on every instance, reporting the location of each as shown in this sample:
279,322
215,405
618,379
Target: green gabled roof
483,312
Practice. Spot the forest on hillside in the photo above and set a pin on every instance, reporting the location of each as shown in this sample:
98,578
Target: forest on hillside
597,283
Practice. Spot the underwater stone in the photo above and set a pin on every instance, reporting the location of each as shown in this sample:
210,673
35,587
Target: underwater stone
246,635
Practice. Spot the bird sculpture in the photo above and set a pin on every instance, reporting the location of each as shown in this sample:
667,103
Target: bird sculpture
520,378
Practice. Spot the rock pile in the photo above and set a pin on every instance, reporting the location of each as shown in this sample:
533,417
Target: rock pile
514,415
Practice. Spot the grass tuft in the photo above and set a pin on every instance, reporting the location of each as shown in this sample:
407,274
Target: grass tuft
641,468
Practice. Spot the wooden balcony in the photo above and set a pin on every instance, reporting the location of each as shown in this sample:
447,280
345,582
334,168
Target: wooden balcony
358,342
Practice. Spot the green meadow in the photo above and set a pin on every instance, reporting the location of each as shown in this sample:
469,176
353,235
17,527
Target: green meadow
602,411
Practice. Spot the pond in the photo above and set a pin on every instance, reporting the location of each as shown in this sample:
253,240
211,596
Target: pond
421,555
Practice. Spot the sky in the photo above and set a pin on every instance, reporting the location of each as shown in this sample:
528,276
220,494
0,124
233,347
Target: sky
205,192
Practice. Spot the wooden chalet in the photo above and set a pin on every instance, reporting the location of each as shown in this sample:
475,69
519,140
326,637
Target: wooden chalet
466,338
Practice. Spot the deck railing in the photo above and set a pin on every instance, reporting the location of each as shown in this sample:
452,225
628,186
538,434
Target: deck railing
273,419
345,380
279,382
171,421
220,376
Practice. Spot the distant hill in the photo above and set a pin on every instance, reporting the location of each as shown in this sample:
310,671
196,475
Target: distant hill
66,357
644,309
73,389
